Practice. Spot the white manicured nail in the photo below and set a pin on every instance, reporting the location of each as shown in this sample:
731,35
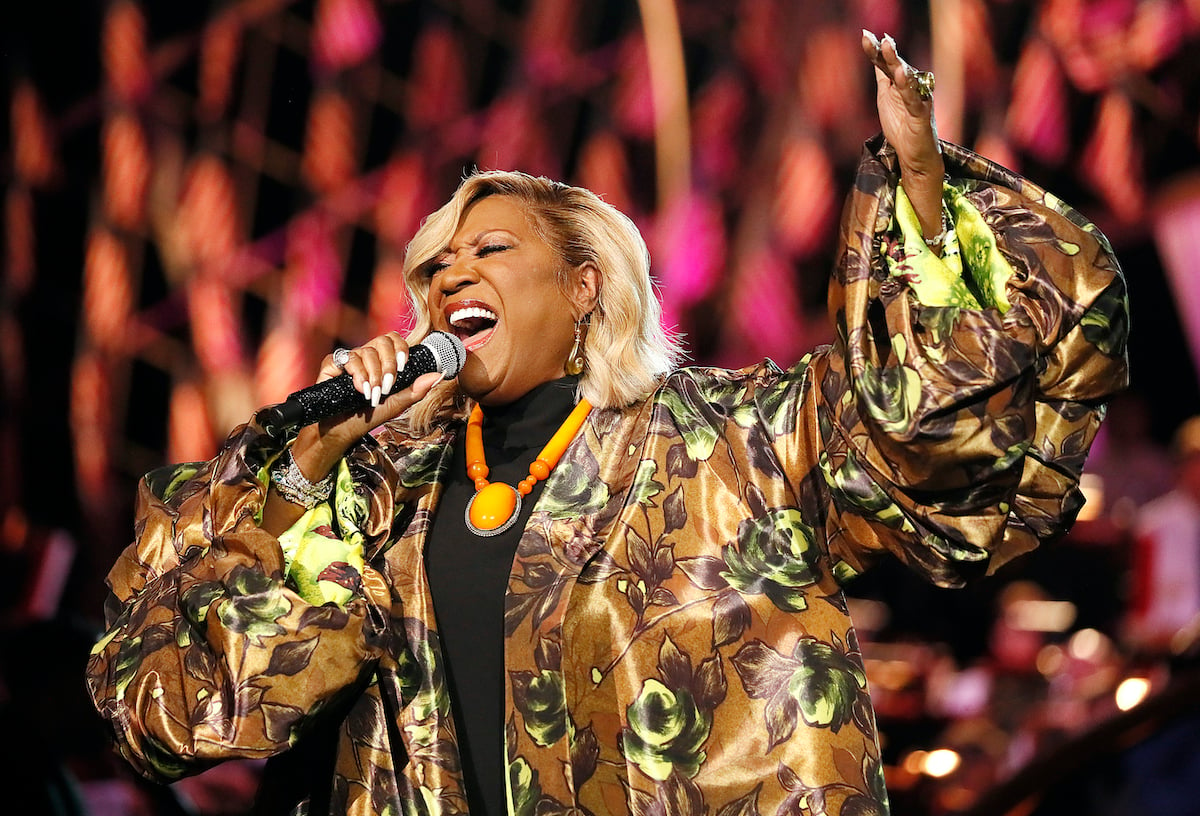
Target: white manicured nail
375,394
388,379
367,391
401,360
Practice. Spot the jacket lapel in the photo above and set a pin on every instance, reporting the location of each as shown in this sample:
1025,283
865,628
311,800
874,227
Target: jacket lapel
417,682
566,532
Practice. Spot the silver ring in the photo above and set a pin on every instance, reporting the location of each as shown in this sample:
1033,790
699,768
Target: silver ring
341,356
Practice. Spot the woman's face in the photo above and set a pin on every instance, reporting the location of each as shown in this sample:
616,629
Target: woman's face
496,287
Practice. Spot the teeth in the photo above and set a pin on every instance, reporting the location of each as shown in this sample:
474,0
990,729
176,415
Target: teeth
471,311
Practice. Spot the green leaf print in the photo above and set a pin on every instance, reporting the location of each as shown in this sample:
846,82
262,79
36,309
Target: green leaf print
826,684
352,507
698,409
524,788
196,599
541,699
775,556
818,683
645,486
852,488
891,394
666,731
780,404
129,658
575,488
178,476
254,604
420,465
1106,324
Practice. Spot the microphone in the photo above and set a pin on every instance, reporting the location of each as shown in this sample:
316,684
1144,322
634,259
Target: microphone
438,352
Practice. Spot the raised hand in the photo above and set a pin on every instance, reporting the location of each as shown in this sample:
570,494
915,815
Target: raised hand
904,97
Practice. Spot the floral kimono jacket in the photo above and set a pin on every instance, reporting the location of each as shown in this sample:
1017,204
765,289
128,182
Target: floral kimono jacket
676,636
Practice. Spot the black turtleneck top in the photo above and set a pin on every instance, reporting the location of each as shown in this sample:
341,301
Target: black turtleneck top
468,576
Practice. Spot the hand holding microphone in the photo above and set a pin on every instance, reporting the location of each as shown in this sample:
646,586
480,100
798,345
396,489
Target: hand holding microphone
338,394
364,388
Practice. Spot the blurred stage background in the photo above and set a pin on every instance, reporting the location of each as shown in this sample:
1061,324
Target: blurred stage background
203,198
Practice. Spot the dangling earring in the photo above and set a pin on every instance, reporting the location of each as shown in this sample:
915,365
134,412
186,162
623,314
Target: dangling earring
575,360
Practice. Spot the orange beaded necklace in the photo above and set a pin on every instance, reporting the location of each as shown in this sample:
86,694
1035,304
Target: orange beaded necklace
495,506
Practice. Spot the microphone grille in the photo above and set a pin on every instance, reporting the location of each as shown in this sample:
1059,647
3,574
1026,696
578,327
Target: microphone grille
449,354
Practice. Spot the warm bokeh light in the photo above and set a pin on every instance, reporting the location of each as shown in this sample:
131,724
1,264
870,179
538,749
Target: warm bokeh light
1086,644
1092,486
914,762
1050,660
1041,616
1131,692
940,763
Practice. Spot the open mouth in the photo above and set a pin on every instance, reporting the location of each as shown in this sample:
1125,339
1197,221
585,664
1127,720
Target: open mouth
473,323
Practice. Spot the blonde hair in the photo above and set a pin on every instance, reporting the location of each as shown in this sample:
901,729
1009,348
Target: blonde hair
627,350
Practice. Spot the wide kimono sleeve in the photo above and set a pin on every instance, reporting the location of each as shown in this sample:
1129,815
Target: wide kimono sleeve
954,411
223,641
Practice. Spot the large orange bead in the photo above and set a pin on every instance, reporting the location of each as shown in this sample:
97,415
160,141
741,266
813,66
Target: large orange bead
493,506
539,469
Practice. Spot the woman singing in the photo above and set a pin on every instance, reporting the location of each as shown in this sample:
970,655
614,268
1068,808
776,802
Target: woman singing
578,580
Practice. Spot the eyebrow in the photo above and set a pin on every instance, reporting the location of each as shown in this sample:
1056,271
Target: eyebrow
475,239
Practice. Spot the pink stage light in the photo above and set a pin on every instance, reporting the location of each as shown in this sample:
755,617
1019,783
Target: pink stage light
207,216
404,199
18,227
91,427
805,197
1176,225
437,87
313,280
345,32
214,318
126,171
759,28
329,143
220,49
604,170
107,290
1157,32
32,133
189,429
514,136
389,309
124,55
764,311
1037,116
877,15
548,42
718,116
690,248
284,364
1112,159
633,100
831,55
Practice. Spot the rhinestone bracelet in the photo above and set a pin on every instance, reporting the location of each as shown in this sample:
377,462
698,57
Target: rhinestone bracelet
940,238
294,487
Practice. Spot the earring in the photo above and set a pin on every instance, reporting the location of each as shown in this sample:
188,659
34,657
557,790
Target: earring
575,360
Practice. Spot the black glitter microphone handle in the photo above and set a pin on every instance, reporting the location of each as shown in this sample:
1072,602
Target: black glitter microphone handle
438,352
